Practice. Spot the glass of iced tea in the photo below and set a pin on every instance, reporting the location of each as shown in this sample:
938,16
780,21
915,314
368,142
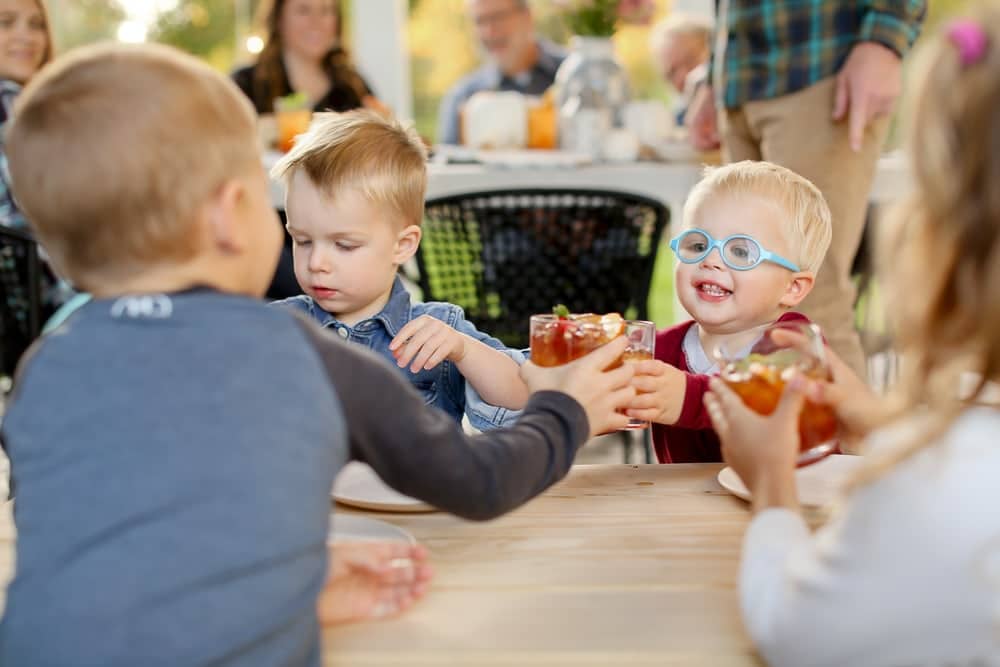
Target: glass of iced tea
560,339
641,339
758,373
292,115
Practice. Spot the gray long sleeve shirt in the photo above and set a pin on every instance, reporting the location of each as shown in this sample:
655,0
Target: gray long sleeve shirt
173,455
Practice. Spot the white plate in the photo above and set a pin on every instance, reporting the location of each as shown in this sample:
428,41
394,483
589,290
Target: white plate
818,484
350,528
357,485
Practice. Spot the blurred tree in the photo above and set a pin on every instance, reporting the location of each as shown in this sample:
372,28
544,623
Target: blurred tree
205,28
76,22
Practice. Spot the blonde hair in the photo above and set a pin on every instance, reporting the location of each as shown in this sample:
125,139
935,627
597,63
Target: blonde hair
360,149
806,223
112,150
678,24
946,239
50,46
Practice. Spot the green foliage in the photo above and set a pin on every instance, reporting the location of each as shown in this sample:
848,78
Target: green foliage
78,22
205,28
596,18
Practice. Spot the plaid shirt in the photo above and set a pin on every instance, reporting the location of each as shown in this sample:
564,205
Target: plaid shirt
776,47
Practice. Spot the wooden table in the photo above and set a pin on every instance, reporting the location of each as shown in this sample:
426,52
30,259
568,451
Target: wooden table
617,565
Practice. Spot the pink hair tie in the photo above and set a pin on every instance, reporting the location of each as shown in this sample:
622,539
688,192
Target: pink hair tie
970,40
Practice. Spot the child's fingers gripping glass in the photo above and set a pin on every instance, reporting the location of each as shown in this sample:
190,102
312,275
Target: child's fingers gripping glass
646,384
649,367
644,401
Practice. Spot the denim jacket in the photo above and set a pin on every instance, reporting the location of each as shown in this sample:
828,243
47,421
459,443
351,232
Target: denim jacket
442,386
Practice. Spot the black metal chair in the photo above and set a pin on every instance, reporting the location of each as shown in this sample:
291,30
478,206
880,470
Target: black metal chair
506,255
20,297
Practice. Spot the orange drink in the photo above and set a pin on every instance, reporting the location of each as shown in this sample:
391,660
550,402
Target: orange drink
558,340
292,115
760,376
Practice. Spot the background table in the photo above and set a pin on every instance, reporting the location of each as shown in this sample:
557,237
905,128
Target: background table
668,182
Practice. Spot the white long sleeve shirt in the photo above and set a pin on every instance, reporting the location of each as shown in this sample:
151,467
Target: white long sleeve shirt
907,573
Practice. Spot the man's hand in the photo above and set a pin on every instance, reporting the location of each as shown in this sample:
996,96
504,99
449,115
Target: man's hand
701,121
867,87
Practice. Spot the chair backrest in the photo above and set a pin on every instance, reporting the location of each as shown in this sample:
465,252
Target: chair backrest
20,296
506,255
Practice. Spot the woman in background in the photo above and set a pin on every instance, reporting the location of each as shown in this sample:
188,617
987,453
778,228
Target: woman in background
25,46
302,54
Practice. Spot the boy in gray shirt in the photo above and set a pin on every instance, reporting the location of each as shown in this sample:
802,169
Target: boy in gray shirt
174,443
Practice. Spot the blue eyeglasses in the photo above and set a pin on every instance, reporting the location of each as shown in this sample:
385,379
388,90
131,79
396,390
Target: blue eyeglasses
739,251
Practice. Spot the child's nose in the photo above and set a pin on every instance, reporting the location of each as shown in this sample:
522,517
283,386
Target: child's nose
713,260
319,260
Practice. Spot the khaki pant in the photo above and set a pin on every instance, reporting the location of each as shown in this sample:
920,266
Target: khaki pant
797,132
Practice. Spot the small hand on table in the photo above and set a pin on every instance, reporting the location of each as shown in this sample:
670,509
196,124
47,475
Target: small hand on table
372,580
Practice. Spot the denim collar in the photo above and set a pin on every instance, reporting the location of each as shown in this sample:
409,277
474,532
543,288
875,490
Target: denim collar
393,316
550,57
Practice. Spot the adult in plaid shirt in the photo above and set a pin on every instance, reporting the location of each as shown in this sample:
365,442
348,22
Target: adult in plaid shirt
810,85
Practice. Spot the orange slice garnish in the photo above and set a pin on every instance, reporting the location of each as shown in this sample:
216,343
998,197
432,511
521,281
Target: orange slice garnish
612,325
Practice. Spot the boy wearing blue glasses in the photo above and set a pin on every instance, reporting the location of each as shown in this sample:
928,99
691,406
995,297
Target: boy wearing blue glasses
754,237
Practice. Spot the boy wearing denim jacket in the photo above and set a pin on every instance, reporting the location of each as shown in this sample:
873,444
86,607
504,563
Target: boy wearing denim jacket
355,187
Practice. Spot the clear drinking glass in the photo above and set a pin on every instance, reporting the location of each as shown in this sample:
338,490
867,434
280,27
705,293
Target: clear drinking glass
641,341
759,370
559,340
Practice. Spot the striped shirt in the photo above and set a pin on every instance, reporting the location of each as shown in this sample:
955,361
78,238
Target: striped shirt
770,48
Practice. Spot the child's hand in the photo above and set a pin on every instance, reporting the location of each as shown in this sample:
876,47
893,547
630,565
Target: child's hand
660,392
371,580
425,342
601,393
856,405
761,449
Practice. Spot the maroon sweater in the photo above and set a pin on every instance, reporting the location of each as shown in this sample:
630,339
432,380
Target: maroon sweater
691,439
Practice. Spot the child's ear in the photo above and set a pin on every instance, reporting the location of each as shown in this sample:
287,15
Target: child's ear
223,217
407,243
798,289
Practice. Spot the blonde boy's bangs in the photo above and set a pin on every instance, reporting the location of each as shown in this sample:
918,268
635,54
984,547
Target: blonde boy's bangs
361,150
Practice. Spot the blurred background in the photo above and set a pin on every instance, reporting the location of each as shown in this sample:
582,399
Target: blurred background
435,40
